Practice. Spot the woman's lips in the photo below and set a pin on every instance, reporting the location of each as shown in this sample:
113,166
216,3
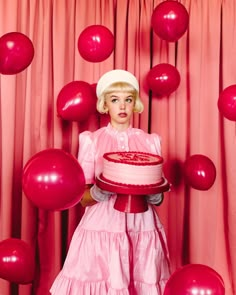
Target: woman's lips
122,115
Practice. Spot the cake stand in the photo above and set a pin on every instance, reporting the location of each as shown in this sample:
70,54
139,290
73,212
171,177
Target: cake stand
132,198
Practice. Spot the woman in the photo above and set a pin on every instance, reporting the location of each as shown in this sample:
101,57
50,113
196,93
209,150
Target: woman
112,252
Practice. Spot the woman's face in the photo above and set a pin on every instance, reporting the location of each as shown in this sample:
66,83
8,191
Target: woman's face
120,106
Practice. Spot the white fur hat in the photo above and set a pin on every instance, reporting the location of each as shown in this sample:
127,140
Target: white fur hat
115,76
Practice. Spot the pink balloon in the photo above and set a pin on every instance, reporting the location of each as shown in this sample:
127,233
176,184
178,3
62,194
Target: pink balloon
53,180
170,20
200,172
76,101
17,263
195,279
16,53
227,103
96,43
163,79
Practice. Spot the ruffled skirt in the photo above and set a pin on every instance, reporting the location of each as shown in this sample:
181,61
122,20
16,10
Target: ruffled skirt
115,253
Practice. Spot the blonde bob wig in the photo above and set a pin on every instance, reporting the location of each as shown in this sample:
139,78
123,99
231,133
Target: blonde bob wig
119,86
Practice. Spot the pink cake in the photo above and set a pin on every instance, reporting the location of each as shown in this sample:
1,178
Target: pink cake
132,168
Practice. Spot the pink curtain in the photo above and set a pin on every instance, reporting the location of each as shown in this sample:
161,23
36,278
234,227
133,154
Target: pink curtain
200,225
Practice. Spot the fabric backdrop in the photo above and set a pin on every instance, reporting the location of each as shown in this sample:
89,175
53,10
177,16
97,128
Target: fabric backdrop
200,225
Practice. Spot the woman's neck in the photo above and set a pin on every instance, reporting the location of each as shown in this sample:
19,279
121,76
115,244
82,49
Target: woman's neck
120,127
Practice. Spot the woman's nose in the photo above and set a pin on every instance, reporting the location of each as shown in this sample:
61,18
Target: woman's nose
122,105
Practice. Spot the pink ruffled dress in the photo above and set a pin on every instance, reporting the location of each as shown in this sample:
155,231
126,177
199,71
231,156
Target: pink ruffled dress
112,252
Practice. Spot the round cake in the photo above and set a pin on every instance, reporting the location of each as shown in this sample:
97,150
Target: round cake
132,168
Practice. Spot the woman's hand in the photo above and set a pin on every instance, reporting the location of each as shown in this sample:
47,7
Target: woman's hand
94,194
99,195
155,199
87,199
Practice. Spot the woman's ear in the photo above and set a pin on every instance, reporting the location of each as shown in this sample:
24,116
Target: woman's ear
105,110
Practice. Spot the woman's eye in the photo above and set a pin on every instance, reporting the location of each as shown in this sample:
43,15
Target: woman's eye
129,100
114,100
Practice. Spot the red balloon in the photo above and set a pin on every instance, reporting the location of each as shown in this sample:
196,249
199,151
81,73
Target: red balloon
16,53
195,279
200,172
163,79
76,101
173,171
170,20
53,180
17,263
96,43
227,102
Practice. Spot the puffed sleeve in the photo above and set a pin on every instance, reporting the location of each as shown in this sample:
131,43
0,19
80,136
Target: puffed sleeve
86,155
156,143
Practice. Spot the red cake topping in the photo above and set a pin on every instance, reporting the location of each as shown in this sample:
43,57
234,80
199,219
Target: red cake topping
134,158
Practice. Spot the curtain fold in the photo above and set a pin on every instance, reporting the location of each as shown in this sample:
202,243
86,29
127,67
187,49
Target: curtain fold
199,224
